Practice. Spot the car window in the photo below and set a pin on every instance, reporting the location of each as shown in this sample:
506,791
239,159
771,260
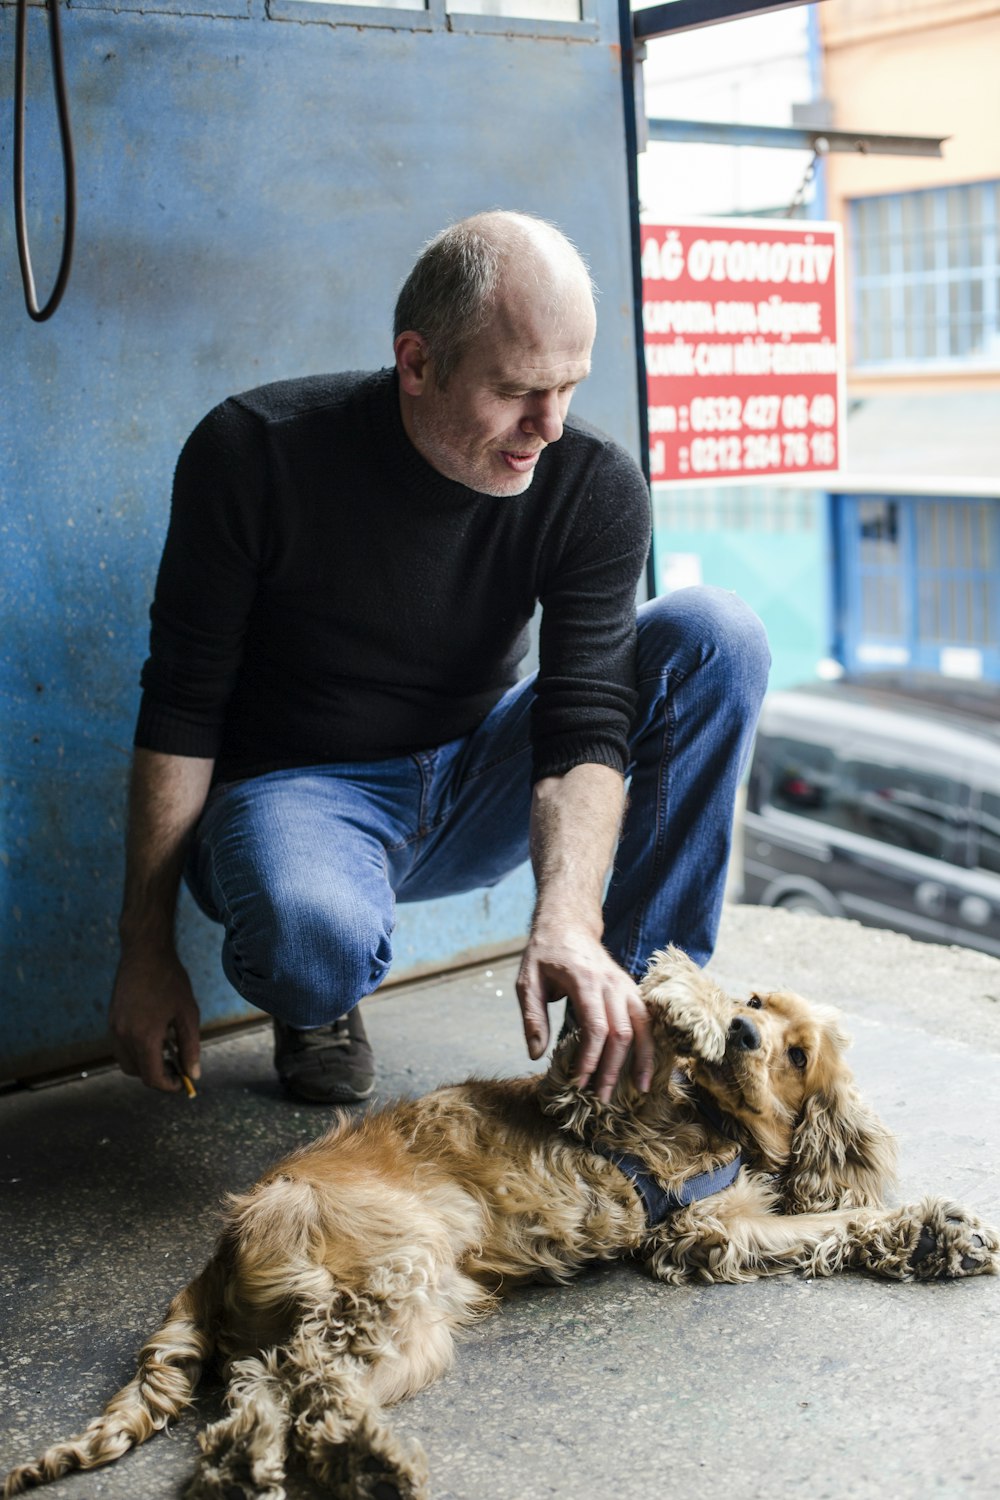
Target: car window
988,840
799,777
909,808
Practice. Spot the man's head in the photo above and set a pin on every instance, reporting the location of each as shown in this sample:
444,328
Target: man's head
493,333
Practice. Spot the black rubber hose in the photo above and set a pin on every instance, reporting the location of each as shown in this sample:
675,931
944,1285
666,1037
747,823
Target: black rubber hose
69,170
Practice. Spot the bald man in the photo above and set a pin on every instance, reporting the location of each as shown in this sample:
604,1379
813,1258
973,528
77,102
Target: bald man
332,718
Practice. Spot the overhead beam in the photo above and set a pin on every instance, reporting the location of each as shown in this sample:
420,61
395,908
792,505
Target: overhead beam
793,138
689,15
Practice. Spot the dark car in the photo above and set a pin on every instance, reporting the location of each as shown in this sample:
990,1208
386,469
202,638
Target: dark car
879,798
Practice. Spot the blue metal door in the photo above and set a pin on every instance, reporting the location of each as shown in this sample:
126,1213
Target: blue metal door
255,179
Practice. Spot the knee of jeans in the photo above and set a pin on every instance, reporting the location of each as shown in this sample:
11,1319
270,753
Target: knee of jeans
306,961
707,627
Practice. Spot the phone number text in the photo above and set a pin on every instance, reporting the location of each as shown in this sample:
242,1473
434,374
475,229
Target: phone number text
758,451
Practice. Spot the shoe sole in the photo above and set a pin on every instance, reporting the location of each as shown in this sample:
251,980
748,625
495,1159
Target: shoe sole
340,1093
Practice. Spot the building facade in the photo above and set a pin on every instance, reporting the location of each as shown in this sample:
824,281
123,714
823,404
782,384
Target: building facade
917,523
897,567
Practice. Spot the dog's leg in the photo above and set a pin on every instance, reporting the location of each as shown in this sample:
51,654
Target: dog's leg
932,1239
244,1453
695,1245
339,1427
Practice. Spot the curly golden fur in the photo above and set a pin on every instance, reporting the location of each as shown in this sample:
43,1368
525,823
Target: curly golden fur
339,1280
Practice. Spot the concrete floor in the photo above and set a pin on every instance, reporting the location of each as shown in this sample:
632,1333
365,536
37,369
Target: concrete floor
614,1387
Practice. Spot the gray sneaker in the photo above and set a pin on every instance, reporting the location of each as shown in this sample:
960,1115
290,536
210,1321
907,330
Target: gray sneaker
327,1065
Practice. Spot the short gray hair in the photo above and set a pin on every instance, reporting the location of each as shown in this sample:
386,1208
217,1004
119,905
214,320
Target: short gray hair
450,295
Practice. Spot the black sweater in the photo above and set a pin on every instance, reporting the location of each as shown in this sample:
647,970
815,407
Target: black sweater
326,595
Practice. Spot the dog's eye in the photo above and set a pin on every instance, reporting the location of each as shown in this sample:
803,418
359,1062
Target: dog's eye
754,1003
797,1057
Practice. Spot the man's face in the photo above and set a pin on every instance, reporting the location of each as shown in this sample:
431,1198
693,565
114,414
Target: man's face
506,399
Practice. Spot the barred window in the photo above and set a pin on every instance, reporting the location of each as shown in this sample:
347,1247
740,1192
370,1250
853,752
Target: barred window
745,507
542,10
557,17
926,276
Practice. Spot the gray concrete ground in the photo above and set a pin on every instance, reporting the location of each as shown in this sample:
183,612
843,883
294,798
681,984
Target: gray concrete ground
849,1388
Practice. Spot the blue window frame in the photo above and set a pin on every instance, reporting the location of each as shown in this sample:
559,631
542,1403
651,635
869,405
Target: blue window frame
919,583
925,275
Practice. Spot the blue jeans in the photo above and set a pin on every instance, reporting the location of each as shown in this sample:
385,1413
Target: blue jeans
303,868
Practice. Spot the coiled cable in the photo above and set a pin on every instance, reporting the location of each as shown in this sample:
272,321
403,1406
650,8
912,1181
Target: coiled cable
39,314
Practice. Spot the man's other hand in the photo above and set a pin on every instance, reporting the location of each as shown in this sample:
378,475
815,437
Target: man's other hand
152,1004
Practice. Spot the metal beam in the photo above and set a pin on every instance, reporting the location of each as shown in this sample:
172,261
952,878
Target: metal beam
689,15
634,121
793,138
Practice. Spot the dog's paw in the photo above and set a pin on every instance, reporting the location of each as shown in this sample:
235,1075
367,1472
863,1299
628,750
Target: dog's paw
952,1242
693,1010
928,1241
207,1485
698,1032
229,1470
377,1476
210,1483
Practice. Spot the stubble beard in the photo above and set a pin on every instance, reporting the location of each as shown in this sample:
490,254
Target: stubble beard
481,471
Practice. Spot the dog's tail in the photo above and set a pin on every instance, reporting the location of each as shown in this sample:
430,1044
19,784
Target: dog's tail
164,1384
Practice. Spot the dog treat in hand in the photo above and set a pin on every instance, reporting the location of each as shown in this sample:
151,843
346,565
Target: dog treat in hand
172,1055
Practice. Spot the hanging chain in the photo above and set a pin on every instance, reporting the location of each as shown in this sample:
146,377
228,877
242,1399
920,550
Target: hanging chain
820,147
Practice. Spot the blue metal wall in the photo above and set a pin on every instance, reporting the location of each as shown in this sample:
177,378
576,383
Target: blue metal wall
252,192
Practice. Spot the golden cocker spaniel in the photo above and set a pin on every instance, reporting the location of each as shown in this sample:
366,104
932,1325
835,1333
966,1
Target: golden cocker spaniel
339,1280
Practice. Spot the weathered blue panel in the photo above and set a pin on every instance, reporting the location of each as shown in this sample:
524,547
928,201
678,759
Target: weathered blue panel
251,194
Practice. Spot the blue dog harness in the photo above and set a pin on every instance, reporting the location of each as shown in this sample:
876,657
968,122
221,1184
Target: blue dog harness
659,1203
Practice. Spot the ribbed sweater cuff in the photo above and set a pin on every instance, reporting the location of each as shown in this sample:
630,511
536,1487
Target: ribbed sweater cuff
561,756
170,733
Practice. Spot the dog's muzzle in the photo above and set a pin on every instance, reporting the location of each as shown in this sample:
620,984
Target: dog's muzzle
743,1036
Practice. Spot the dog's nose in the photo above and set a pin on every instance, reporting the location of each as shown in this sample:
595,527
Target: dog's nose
743,1035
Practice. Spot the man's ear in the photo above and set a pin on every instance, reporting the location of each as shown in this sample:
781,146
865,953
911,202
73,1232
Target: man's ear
413,362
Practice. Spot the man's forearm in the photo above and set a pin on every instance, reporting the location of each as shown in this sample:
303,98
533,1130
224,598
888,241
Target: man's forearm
575,824
166,797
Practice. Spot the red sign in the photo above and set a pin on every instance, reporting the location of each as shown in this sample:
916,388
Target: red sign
744,349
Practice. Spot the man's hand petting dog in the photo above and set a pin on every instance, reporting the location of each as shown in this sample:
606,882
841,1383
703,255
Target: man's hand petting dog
570,962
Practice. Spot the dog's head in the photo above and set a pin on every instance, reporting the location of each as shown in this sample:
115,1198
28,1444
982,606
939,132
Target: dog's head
774,1064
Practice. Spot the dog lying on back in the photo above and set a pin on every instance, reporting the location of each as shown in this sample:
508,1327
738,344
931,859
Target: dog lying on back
339,1280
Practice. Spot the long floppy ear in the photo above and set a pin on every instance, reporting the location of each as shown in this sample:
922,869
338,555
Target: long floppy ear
841,1155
